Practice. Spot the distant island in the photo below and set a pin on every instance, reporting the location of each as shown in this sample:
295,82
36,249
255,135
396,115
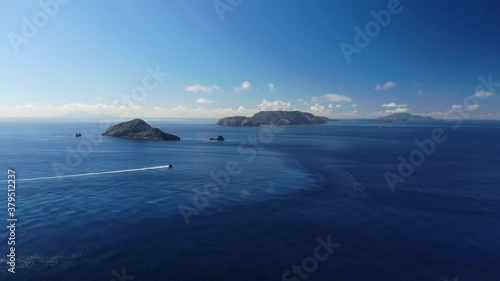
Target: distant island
402,117
138,129
219,138
274,117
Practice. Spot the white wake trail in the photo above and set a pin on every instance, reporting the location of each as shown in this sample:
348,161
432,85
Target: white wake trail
93,174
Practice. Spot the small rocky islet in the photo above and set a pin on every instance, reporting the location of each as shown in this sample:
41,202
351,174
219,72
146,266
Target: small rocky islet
138,129
219,138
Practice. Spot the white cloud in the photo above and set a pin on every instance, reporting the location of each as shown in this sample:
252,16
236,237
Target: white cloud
483,94
200,112
354,105
385,86
245,86
204,101
276,105
390,111
393,105
26,107
438,114
48,110
397,110
489,116
115,108
330,111
180,108
420,93
347,114
473,107
98,98
331,98
197,88
128,111
120,110
318,109
454,107
434,114
271,87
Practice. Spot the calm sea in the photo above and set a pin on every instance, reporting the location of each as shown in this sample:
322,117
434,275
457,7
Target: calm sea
254,207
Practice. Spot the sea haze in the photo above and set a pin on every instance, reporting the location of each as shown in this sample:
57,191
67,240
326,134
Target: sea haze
305,182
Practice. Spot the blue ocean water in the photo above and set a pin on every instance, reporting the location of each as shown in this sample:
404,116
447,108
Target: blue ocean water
305,183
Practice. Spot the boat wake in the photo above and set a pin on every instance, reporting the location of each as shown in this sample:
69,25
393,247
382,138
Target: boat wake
93,174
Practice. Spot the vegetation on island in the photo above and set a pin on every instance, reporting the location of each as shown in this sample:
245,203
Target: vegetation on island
275,118
138,129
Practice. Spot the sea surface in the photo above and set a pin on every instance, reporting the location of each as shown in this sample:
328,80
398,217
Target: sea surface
254,206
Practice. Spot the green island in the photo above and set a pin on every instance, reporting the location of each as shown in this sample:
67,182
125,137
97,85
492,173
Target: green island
274,118
138,129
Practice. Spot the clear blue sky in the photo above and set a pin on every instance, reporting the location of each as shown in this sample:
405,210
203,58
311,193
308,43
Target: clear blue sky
91,53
